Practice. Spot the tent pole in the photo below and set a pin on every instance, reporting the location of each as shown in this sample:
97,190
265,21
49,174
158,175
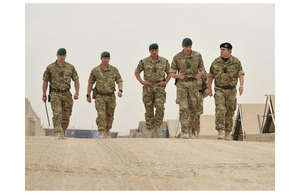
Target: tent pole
242,124
271,109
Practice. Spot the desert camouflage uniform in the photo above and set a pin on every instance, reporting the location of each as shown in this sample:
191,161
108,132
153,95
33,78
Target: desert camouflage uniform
201,82
188,89
226,74
61,97
154,96
105,101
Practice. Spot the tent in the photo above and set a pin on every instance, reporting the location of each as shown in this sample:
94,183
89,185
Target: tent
207,127
247,124
32,121
268,122
173,128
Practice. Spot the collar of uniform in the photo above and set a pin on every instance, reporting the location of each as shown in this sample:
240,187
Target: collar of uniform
101,68
190,56
221,60
158,59
64,64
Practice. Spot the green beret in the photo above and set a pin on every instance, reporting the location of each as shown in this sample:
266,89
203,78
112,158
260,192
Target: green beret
105,54
187,42
153,46
226,45
61,51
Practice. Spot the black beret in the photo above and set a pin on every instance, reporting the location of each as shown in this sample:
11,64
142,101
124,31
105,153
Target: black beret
61,51
105,54
187,42
226,45
153,46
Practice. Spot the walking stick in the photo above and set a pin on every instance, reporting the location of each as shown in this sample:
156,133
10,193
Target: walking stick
47,115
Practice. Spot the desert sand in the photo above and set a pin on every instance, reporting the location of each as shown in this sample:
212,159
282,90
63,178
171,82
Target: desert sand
148,164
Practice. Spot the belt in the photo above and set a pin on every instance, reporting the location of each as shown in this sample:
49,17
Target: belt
188,79
107,94
58,90
155,82
225,87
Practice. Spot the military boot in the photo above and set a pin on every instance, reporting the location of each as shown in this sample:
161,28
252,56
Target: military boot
64,134
107,134
220,134
101,135
59,135
156,132
193,136
148,133
185,135
227,135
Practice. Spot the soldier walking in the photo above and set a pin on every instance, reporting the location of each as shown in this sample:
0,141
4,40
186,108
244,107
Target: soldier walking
156,76
225,70
59,74
105,76
189,66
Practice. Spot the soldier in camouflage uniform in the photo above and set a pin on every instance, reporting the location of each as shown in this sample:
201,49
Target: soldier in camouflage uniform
59,74
154,95
105,76
225,70
201,82
189,66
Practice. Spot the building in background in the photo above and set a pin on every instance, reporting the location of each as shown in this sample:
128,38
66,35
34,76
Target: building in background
32,121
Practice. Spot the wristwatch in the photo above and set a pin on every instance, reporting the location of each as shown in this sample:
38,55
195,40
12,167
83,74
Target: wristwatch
87,95
121,90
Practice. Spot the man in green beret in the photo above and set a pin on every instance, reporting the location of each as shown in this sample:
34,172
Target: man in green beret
156,76
188,65
105,76
59,74
225,70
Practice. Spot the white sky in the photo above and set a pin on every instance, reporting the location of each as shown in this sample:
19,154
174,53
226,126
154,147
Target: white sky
127,30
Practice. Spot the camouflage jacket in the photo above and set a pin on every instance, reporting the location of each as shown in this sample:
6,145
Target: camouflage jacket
60,76
154,72
226,73
201,82
188,65
105,79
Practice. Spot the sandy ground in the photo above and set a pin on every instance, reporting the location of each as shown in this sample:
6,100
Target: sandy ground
148,164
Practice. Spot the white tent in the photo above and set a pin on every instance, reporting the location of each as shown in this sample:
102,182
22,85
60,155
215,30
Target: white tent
268,122
247,125
207,127
173,128
32,121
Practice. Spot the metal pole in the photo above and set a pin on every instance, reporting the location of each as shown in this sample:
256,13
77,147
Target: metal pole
259,124
265,115
242,124
271,109
177,124
47,114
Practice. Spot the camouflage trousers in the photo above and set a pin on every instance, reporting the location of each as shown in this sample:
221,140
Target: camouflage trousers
154,97
188,97
105,106
225,101
200,110
61,105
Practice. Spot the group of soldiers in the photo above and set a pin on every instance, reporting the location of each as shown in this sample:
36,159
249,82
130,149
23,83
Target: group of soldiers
191,80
